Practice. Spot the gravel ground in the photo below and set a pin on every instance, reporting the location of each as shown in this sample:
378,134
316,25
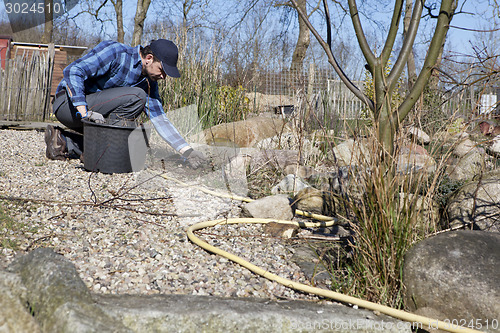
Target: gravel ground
125,233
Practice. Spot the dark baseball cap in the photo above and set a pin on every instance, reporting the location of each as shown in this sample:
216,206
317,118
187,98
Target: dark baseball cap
168,54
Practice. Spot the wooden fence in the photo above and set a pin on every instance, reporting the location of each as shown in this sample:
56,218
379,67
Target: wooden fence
25,86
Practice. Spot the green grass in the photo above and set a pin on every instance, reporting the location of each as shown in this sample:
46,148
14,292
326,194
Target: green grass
8,227
12,230
385,222
200,84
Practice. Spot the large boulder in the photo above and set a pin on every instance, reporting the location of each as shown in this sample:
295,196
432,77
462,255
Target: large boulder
188,313
477,203
494,147
14,314
454,275
54,281
467,167
419,135
415,158
464,147
320,202
352,152
59,299
467,160
244,133
310,200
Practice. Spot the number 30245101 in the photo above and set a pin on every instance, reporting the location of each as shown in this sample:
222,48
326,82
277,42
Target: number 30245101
32,8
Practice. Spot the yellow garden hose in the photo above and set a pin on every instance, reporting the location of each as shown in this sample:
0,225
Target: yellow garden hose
399,314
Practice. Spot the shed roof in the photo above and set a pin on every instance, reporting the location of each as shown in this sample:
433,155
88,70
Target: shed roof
69,49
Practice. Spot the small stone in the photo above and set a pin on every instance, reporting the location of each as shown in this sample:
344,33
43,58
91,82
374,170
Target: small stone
272,207
281,230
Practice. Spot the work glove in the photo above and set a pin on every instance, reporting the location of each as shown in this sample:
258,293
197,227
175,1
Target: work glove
94,117
195,158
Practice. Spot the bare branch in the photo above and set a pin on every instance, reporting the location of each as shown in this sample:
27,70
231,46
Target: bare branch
393,32
407,45
315,8
360,35
475,30
430,8
332,60
95,13
445,16
328,24
248,10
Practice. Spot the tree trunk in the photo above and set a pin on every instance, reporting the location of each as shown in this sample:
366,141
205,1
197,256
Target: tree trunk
48,28
303,41
386,119
120,34
140,17
410,63
383,112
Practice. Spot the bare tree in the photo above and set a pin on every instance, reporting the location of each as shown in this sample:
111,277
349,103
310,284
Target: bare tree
120,33
140,17
387,120
410,63
303,40
304,37
99,12
95,9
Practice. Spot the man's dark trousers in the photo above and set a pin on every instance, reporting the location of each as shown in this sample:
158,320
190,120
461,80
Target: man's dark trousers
114,103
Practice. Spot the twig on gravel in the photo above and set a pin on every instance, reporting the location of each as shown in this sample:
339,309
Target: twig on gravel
84,203
28,248
138,211
149,222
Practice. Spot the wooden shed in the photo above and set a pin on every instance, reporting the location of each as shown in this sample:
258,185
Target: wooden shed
61,57
4,49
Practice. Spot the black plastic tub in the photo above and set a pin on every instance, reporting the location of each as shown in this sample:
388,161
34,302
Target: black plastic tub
118,146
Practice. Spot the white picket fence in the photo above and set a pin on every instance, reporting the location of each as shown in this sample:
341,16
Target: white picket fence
337,100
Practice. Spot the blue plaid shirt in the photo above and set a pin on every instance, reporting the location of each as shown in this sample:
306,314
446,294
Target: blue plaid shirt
112,64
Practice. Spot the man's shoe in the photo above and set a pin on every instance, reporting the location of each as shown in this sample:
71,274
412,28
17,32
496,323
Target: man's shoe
56,145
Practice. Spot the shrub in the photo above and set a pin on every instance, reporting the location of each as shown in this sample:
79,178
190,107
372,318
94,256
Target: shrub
383,212
200,84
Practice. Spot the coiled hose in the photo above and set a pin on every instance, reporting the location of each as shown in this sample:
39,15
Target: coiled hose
326,221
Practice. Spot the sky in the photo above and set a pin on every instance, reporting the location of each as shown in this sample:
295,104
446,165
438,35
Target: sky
458,39
463,38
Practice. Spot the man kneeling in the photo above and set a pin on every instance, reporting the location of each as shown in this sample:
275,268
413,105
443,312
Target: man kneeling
116,81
